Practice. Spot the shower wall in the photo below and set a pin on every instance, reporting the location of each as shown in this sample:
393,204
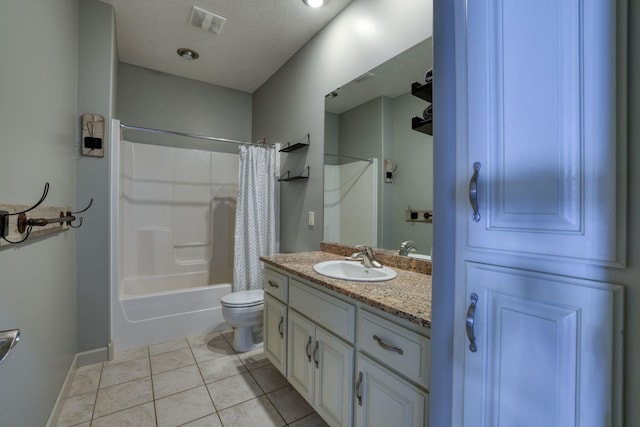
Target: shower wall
177,213
351,203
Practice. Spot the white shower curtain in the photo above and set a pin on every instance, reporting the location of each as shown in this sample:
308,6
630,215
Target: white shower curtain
255,233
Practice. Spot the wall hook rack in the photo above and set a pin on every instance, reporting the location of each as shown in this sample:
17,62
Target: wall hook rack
49,223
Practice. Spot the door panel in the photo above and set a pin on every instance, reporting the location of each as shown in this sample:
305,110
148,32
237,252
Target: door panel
301,352
334,383
275,332
540,124
544,349
387,400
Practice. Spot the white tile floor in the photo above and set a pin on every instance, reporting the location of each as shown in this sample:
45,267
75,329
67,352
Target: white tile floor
196,381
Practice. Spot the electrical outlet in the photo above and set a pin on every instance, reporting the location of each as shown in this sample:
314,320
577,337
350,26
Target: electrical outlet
312,218
418,216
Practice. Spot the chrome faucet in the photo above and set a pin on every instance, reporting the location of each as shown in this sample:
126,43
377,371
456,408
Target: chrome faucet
406,247
367,256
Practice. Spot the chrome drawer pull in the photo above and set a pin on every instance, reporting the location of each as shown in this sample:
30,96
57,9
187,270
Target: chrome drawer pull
358,391
387,346
280,327
273,284
307,350
315,354
470,323
473,192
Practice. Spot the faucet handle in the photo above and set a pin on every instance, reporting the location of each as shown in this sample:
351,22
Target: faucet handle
407,243
357,256
367,249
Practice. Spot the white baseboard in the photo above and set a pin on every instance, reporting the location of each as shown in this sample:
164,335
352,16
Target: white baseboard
80,359
97,355
64,390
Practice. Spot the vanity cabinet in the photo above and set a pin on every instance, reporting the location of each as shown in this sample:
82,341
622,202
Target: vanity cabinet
354,364
384,399
320,367
406,352
275,332
320,363
275,319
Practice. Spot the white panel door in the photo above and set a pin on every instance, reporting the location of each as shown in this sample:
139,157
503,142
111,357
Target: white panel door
541,123
334,381
542,223
383,399
275,332
302,350
544,349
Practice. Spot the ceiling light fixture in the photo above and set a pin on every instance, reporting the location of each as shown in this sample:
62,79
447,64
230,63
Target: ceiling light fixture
188,54
314,3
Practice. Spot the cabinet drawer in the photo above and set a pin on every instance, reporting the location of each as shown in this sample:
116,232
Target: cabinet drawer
404,351
335,315
276,284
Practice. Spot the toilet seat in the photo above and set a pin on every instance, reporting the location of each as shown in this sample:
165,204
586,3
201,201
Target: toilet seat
250,298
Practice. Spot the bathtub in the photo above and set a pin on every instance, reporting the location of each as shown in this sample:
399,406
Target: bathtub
167,276
143,318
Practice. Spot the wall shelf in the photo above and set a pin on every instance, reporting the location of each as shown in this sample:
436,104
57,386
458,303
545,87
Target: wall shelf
423,91
296,146
287,176
421,125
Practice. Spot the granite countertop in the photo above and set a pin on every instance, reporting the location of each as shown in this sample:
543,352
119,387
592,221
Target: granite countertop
407,296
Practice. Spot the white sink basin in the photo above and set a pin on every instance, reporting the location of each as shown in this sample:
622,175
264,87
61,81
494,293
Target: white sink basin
353,270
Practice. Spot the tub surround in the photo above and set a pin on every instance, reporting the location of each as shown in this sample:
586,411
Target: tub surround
408,296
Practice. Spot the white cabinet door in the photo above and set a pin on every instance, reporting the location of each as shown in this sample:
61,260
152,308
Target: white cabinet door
275,332
541,122
536,108
301,350
383,399
543,352
334,380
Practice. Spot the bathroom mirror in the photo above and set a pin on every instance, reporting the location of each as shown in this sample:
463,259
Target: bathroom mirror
368,132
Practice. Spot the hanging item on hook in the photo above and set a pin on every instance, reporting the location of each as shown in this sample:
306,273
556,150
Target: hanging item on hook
49,223
93,135
69,218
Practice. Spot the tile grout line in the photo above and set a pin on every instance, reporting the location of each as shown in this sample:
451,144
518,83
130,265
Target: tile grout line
114,385
95,402
217,412
244,363
153,392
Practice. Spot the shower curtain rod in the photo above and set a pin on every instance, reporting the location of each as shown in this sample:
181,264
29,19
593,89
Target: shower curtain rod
349,157
191,135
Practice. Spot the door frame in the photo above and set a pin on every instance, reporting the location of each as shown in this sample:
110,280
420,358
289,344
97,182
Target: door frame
445,399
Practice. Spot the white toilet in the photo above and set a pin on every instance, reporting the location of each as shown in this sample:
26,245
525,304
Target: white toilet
243,311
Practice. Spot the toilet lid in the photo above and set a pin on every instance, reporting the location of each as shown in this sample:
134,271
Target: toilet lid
243,298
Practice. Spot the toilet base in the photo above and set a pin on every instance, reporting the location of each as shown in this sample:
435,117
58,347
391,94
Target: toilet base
244,339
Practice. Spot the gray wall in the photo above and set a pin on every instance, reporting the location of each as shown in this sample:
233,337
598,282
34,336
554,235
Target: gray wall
291,103
38,130
413,153
381,128
360,133
153,99
96,83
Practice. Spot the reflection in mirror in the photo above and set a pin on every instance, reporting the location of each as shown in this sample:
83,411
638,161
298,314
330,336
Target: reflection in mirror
368,132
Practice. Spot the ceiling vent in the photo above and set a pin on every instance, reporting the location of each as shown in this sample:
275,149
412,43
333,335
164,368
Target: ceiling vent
206,20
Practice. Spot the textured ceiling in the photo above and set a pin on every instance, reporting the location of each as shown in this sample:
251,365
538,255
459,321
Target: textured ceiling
258,37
